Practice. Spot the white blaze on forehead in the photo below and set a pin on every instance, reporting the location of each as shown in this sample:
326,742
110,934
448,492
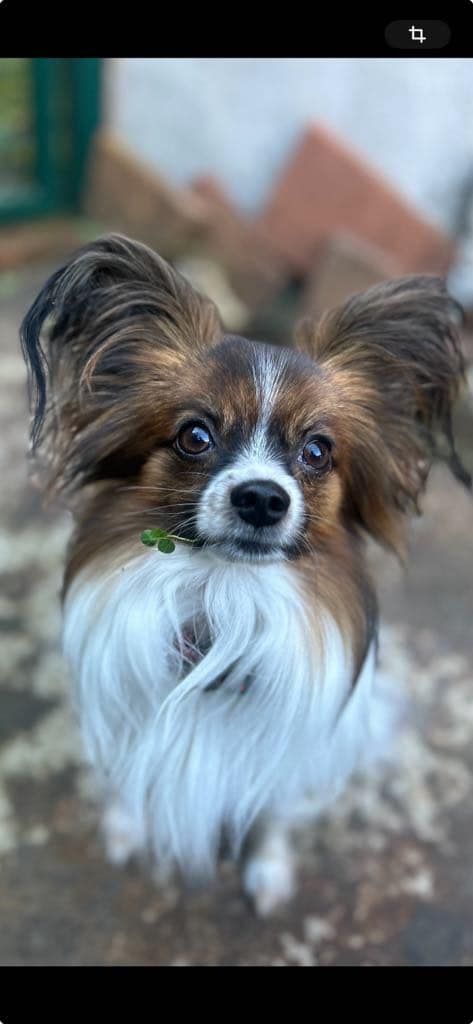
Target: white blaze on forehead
268,371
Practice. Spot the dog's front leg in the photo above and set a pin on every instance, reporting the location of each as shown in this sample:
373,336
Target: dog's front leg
269,867
122,835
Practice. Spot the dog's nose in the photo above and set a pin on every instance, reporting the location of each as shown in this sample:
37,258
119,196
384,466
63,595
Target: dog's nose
260,502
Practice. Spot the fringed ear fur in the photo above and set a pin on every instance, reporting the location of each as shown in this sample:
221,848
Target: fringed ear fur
393,355
109,325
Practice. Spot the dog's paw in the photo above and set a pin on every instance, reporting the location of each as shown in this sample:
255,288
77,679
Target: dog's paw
122,839
269,877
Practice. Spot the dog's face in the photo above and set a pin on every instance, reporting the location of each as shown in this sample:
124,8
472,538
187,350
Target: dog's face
246,459
253,451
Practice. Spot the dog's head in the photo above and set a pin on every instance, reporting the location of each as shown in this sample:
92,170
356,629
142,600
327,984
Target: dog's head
254,451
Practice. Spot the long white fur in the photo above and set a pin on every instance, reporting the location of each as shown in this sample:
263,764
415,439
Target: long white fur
187,763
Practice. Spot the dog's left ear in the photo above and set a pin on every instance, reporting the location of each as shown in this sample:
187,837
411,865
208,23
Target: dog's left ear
392,355
103,340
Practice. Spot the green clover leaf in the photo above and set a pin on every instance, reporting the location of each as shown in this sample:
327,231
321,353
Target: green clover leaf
163,540
151,537
166,545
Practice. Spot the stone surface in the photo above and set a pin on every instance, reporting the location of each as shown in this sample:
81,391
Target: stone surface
209,277
386,876
327,188
346,267
127,196
47,239
256,270
182,223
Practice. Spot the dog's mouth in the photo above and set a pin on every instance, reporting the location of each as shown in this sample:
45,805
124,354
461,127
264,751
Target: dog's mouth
237,548
244,549
254,547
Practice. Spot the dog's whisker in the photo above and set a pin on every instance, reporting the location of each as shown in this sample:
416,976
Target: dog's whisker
170,509
157,489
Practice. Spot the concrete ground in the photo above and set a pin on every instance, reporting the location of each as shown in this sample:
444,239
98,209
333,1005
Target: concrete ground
386,877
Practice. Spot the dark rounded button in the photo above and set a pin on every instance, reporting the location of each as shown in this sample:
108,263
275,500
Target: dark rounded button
417,35
260,502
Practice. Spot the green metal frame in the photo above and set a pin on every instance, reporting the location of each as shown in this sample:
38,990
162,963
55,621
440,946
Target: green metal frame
66,113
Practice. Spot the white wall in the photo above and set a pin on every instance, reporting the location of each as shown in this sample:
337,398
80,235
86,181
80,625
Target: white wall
240,117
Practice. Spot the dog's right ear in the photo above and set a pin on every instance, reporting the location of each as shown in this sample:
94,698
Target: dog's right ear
394,357
114,321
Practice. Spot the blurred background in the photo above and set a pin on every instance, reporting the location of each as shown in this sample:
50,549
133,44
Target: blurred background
279,187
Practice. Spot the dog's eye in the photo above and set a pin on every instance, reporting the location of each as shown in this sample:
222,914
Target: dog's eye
194,439
316,454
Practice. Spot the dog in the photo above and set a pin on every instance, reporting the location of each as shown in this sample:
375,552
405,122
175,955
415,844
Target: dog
224,670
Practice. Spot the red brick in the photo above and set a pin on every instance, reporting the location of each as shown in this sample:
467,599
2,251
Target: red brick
326,189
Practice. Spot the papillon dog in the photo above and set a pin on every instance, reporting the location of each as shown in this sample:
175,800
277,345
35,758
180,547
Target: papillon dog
225,682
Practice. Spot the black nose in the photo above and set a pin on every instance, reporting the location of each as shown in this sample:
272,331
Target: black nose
260,502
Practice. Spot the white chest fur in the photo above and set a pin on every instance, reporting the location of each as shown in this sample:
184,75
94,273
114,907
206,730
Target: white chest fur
189,762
